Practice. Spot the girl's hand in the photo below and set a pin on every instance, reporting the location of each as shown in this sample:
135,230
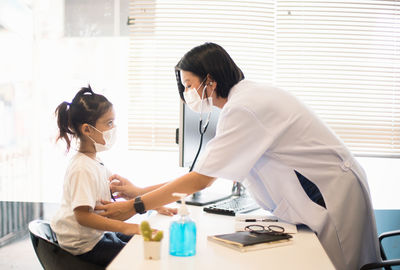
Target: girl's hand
167,211
124,187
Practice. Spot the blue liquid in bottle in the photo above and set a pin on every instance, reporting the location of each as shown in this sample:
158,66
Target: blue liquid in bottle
182,237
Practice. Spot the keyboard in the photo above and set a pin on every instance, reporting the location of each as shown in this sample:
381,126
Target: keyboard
232,206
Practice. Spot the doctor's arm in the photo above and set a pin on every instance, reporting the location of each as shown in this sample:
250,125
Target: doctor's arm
188,183
127,189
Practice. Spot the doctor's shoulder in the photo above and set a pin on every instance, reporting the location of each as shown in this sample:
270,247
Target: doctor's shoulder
250,91
259,97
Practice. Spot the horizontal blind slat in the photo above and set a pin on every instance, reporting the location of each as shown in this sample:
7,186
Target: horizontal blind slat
341,58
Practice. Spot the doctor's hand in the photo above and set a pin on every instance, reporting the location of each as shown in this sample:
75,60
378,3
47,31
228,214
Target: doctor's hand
116,210
123,187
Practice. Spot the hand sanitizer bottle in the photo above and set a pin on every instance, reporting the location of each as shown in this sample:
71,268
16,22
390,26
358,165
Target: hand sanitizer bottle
182,232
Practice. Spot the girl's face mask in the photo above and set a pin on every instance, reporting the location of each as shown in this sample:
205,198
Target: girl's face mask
109,136
197,103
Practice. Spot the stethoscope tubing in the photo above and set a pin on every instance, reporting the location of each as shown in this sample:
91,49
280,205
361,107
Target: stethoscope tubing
202,130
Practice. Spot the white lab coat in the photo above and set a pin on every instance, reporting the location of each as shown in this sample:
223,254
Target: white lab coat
263,135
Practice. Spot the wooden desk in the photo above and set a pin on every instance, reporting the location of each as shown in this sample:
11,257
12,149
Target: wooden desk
305,253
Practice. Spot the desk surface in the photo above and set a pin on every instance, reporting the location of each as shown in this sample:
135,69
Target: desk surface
306,251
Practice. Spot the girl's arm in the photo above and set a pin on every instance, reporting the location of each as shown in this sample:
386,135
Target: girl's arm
87,218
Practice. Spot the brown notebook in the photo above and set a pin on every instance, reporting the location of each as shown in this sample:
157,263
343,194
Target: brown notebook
244,241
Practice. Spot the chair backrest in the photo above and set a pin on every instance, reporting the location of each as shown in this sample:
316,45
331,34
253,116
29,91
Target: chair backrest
50,254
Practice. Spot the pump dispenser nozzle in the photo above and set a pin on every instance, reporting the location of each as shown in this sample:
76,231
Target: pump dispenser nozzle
183,211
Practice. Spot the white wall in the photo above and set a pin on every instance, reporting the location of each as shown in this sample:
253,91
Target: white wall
384,181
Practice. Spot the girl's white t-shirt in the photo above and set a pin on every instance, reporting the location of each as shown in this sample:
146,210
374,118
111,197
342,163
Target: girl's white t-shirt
85,184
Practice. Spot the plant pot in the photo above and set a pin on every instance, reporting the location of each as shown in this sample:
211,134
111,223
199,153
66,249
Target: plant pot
152,250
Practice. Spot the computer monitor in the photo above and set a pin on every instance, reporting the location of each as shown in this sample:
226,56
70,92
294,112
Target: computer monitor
189,141
189,135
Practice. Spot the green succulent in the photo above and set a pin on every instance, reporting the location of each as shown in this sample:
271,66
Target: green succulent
147,232
159,235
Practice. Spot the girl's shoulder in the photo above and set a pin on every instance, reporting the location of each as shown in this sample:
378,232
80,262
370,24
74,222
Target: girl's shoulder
80,157
81,162
83,166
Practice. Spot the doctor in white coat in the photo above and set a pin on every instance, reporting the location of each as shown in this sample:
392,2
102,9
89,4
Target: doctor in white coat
289,160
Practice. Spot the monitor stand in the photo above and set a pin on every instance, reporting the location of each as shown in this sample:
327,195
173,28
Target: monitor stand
204,197
237,189
201,198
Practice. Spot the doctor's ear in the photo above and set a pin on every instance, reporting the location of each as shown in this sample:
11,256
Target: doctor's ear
212,85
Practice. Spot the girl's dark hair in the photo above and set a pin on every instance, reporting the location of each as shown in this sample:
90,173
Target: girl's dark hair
212,59
86,107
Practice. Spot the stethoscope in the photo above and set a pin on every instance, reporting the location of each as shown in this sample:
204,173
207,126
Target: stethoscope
202,129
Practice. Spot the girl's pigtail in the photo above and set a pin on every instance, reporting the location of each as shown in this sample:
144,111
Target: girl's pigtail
63,123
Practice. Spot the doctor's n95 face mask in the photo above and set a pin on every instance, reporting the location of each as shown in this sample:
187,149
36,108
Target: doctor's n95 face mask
197,103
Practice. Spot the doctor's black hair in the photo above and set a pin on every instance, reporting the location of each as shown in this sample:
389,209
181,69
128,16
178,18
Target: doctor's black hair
86,107
210,58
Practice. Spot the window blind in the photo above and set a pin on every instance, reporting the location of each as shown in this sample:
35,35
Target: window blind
162,31
342,58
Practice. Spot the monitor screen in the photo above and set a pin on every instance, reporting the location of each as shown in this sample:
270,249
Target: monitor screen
189,141
189,134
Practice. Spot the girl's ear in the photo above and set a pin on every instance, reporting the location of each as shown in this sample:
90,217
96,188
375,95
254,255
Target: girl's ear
85,129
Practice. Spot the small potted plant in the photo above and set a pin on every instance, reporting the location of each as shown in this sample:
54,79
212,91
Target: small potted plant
152,241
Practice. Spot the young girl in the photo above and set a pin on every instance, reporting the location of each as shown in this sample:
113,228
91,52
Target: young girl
89,118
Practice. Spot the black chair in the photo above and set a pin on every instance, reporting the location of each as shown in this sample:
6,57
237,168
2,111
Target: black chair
386,264
50,254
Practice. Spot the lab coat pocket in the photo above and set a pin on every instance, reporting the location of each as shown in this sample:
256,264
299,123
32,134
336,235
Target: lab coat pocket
281,210
285,212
